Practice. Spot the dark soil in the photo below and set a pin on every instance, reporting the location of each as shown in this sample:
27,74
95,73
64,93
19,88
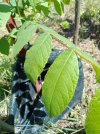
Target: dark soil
88,29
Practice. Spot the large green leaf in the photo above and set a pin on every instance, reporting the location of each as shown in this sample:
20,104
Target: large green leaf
5,13
60,83
92,124
4,46
37,56
69,44
24,35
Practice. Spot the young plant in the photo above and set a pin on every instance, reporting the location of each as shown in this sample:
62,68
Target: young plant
65,25
38,56
57,89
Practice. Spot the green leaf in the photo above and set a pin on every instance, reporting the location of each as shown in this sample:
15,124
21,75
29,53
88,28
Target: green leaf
65,24
33,3
69,44
4,13
20,3
37,56
24,35
92,124
62,6
43,7
58,6
60,83
58,36
13,33
4,46
66,2
94,64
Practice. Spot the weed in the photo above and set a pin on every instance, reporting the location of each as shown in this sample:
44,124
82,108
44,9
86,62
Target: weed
5,75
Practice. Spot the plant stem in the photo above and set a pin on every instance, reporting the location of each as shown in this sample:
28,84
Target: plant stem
17,7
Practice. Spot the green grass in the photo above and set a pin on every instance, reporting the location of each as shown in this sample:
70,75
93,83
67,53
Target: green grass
5,75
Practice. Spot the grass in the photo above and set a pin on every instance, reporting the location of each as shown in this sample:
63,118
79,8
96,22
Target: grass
5,84
5,72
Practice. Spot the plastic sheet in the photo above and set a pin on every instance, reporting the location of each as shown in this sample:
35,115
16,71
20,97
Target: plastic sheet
28,115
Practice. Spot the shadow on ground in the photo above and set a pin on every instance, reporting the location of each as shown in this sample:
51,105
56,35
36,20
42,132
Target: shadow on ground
88,29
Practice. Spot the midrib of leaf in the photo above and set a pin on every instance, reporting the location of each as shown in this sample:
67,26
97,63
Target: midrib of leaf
59,76
44,40
70,80
42,43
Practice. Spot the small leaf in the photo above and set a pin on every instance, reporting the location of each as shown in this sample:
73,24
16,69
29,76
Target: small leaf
4,46
97,70
33,3
44,8
92,124
60,83
58,6
20,3
5,13
13,33
24,35
37,56
66,2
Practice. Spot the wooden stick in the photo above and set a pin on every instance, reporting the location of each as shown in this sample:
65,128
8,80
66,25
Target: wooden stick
77,21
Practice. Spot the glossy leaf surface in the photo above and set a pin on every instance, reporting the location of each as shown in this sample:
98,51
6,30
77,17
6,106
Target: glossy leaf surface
60,83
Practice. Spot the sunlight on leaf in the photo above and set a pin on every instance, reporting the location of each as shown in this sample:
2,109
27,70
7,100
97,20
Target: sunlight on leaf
58,6
4,46
92,124
69,44
24,35
5,13
37,56
60,83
